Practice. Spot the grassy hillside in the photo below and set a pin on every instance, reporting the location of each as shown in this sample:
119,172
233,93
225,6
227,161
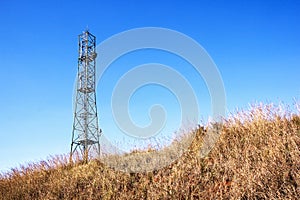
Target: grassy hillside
257,156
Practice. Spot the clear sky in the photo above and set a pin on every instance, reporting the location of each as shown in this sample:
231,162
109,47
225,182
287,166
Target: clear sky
255,45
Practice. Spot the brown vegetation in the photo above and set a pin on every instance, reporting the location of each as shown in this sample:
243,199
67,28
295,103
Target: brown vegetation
257,156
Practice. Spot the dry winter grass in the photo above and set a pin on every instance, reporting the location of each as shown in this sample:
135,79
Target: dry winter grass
257,156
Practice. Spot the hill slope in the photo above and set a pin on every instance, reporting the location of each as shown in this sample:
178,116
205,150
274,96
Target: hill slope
256,157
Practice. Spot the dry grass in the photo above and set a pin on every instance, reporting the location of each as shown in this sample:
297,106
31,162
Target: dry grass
257,156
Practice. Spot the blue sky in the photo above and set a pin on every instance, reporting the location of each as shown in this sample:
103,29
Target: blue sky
255,44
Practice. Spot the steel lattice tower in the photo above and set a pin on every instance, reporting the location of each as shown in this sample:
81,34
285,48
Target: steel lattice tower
86,133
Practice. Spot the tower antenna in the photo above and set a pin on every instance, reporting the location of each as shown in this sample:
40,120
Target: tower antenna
86,132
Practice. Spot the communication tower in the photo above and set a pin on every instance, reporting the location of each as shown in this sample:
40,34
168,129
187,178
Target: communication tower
86,132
